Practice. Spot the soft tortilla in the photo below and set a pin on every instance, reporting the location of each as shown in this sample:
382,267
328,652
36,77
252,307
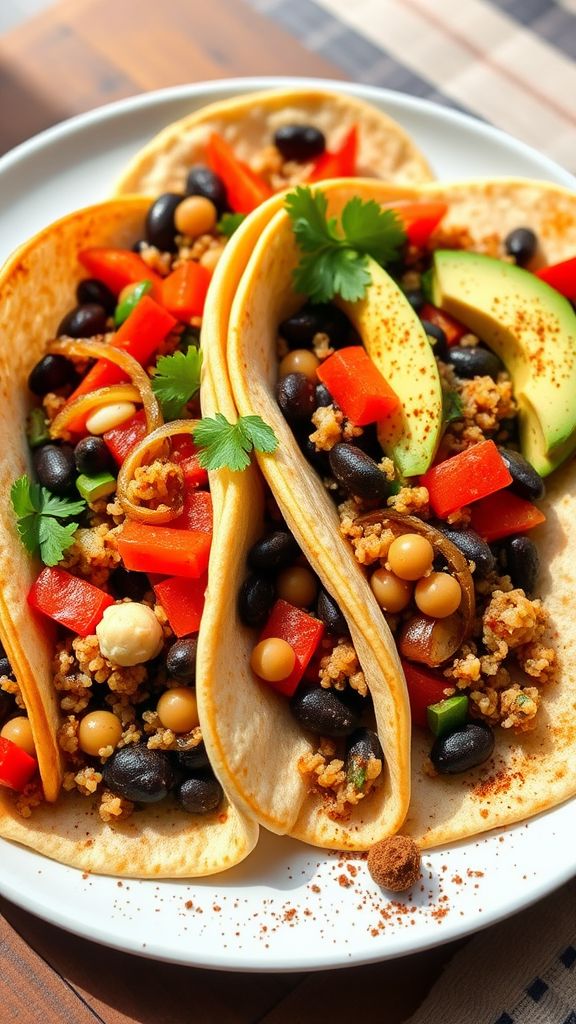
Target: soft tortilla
248,124
36,288
526,775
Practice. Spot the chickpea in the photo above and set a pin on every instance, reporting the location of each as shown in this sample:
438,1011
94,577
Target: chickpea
438,595
19,731
195,216
178,709
109,416
298,586
392,593
410,556
99,729
273,659
129,634
300,360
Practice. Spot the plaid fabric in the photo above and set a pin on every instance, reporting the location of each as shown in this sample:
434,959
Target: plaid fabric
509,62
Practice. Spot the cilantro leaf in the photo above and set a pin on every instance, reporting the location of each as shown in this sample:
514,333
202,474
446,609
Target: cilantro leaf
176,381
356,773
333,261
226,445
37,514
451,406
229,223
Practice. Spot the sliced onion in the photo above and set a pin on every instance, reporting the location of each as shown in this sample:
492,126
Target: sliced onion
84,404
148,449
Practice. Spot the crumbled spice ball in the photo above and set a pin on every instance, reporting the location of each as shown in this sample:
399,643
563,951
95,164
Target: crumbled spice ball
156,485
341,668
410,501
394,863
331,427
93,554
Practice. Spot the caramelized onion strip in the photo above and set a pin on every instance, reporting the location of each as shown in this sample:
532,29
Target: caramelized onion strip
143,453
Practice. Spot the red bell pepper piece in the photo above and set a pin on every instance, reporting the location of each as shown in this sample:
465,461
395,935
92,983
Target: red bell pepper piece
452,328
184,290
465,478
163,549
339,164
245,189
186,454
562,277
69,600
183,601
357,386
424,688
198,513
121,440
118,267
301,631
504,514
418,218
17,768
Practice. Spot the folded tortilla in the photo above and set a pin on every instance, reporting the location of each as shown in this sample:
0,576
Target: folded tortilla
248,123
525,775
37,287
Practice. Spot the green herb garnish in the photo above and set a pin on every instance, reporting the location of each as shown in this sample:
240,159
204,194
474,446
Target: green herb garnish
451,406
335,261
356,773
226,445
176,381
37,512
229,223
124,308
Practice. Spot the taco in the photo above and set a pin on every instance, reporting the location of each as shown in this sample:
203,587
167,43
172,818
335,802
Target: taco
261,143
418,415
98,661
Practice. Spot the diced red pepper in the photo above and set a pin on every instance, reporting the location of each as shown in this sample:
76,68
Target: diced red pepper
198,513
69,600
339,164
184,290
186,454
424,688
163,549
118,267
121,440
301,631
504,514
17,768
465,478
562,277
183,601
245,189
418,218
357,386
452,328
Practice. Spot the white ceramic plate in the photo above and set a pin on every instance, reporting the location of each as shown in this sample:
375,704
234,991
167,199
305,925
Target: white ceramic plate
289,907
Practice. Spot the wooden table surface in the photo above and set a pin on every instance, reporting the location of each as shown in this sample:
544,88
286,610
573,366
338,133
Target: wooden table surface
75,56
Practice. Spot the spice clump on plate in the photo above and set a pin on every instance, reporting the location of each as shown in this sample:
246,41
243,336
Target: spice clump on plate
394,863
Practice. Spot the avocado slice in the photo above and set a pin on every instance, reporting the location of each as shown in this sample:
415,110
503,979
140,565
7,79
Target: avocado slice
396,342
533,330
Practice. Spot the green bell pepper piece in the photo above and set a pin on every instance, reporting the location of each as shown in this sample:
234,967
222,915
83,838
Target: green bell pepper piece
447,715
93,487
124,308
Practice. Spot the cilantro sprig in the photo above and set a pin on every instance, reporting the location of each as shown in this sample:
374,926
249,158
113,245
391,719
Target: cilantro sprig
38,513
176,381
229,223
334,259
227,445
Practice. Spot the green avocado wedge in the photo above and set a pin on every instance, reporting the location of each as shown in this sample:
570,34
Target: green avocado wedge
533,330
398,346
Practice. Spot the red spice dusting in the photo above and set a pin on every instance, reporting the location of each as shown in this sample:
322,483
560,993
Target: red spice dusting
216,908
315,888
344,881
189,905
457,879
352,870
500,782
474,874
289,915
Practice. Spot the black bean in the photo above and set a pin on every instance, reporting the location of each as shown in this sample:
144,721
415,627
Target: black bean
329,613
472,547
323,396
521,244
92,456
7,705
137,773
55,468
6,667
160,227
473,361
519,558
299,329
127,583
440,342
202,181
369,443
323,712
255,599
190,760
299,141
200,794
84,321
361,747
92,291
417,299
318,459
357,473
51,373
296,397
462,749
181,659
275,551
527,482
140,245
